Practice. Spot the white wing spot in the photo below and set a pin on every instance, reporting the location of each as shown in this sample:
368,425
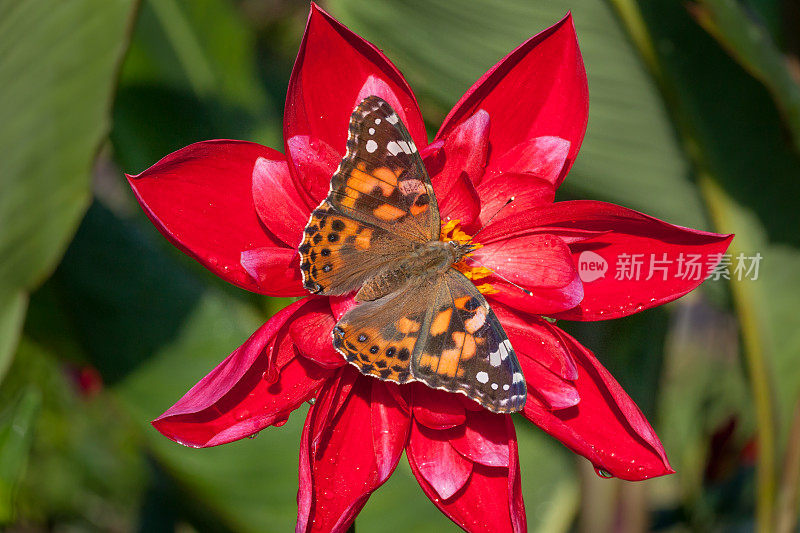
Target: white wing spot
377,121
405,147
518,377
494,358
392,119
412,146
372,131
494,386
393,148
506,386
483,377
371,146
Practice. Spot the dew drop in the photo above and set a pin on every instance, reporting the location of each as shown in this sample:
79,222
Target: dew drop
605,474
312,401
270,375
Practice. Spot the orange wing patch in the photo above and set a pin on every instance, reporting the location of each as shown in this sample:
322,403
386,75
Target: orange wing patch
323,239
375,355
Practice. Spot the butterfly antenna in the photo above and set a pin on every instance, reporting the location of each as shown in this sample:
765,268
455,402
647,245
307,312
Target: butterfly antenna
508,202
526,291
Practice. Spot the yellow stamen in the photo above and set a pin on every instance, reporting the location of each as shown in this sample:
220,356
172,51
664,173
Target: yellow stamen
451,231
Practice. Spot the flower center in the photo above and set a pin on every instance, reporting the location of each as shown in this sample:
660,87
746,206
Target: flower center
452,231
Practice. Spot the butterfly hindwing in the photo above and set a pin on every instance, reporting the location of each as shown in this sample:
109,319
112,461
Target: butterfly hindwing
379,337
454,340
463,348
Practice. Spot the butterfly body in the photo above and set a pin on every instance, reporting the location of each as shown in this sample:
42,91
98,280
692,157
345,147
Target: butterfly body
378,233
426,260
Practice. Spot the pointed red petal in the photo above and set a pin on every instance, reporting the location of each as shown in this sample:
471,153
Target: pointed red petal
258,385
526,190
491,500
626,237
462,159
278,202
334,70
436,463
537,339
311,333
485,439
275,271
540,263
606,426
436,409
200,198
318,161
338,474
537,90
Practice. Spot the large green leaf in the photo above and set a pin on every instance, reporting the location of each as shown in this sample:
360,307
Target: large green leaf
16,433
191,75
58,63
630,154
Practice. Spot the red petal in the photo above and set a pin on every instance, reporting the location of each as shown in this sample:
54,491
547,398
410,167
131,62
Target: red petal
526,190
554,391
540,263
485,439
624,233
537,90
311,333
201,199
436,462
338,474
390,426
542,157
491,500
278,202
318,161
334,70
437,409
463,157
258,385
332,396
274,270
606,426
537,339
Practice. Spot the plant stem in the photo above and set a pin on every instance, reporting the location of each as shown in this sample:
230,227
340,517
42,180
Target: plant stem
786,509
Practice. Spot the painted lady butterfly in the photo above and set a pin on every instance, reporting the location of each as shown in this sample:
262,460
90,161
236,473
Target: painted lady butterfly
378,232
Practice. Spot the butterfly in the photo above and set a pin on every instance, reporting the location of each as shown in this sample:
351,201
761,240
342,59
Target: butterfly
378,233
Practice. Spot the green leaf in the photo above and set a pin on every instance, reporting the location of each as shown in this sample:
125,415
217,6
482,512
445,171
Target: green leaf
630,154
750,43
191,75
16,434
12,315
58,63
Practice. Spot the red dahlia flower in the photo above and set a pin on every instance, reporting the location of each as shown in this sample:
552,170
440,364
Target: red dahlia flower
240,208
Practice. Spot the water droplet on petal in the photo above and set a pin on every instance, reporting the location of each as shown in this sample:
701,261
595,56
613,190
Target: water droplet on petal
602,473
270,375
312,401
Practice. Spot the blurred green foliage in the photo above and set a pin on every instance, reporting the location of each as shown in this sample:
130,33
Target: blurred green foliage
693,118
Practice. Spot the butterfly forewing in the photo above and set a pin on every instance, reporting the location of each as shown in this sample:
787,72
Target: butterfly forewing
380,202
382,179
